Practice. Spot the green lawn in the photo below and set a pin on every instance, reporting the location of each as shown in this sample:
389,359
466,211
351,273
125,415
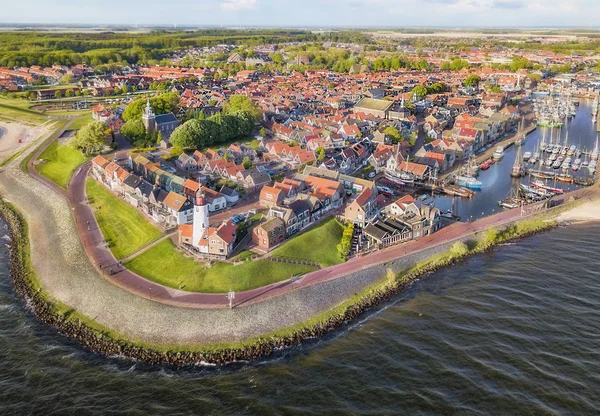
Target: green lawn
126,230
19,109
318,244
60,161
162,264
81,121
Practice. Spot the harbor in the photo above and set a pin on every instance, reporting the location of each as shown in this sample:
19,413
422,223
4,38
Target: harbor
536,163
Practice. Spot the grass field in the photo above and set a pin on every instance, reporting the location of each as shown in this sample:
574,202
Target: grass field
19,109
162,264
317,245
81,121
60,163
123,227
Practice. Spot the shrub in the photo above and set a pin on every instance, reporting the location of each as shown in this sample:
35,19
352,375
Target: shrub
346,243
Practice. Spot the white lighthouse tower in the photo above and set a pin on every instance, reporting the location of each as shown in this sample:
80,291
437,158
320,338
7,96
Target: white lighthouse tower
200,218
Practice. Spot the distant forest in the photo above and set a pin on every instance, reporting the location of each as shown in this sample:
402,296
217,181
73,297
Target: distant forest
46,49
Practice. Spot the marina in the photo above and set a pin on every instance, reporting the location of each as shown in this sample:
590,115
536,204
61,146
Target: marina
558,160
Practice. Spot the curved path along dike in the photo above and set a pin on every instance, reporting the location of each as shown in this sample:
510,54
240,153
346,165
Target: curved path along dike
65,271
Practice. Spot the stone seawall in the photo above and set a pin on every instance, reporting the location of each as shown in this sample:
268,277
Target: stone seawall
101,342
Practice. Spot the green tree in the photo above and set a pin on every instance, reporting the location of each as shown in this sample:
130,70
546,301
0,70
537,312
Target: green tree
393,133
320,154
420,91
242,103
247,163
66,79
472,81
187,135
162,104
134,130
91,136
58,94
263,132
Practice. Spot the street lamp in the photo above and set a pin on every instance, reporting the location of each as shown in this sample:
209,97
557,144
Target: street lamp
231,297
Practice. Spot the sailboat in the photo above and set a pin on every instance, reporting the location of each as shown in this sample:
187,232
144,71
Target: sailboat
512,201
543,144
518,168
521,133
594,154
399,177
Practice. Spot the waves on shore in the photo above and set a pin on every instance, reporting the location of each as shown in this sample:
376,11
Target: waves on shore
511,331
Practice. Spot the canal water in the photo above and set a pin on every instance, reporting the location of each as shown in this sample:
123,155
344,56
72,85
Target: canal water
497,182
513,331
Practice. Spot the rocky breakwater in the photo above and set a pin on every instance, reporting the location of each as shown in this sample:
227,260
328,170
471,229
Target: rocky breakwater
103,341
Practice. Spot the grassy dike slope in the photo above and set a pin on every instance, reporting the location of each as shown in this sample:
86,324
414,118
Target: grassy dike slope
60,161
123,227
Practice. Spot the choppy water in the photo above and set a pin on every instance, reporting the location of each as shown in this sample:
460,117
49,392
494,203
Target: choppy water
515,331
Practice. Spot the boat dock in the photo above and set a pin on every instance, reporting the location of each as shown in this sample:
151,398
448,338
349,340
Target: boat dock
446,188
505,143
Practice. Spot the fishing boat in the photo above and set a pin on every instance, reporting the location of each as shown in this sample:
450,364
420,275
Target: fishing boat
541,175
498,153
536,191
542,185
564,178
468,182
487,164
450,213
393,177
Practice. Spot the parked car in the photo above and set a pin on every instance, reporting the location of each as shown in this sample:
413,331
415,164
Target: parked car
372,174
385,191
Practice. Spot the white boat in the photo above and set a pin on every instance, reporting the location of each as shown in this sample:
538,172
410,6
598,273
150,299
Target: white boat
498,153
542,185
527,156
468,182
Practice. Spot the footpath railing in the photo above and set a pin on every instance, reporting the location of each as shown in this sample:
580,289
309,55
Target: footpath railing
294,261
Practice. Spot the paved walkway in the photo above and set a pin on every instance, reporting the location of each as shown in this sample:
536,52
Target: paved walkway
65,272
149,246
100,255
109,267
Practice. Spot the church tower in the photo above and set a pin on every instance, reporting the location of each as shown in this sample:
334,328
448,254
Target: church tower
200,217
148,118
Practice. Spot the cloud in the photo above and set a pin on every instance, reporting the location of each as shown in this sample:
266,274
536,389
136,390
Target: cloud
235,5
509,4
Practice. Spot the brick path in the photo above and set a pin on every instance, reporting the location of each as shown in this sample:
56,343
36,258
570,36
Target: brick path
104,261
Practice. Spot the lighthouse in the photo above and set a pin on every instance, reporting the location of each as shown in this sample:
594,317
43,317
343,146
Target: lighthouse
200,217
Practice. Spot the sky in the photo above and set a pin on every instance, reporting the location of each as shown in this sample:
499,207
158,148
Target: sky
305,13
